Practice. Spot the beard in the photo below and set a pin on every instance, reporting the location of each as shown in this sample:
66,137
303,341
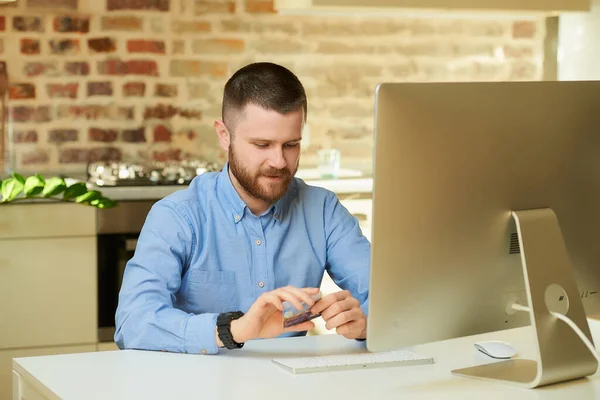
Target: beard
250,182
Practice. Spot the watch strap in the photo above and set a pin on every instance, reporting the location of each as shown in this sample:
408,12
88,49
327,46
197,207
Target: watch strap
224,329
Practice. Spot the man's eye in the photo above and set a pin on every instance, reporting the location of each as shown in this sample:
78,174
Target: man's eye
261,145
292,144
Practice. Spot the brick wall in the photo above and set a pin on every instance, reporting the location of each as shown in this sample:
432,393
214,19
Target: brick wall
142,79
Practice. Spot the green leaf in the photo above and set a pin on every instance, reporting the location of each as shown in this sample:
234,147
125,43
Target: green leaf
76,189
11,188
41,178
88,197
103,202
54,186
33,186
19,177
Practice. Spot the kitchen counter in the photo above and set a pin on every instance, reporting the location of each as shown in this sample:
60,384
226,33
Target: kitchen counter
360,186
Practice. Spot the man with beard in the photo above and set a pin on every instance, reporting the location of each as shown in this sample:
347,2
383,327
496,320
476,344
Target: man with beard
214,262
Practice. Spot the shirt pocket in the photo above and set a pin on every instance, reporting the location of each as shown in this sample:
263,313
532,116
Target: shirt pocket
212,291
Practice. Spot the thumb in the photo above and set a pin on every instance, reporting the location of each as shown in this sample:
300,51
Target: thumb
305,326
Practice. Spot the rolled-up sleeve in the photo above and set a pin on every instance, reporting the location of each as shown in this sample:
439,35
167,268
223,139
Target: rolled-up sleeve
146,317
348,251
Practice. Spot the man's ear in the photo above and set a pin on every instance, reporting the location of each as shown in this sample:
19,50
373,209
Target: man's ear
223,134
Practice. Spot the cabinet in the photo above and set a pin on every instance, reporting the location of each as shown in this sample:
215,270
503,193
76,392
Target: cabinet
47,292
545,6
48,282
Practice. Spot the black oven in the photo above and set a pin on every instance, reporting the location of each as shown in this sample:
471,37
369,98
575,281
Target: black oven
117,234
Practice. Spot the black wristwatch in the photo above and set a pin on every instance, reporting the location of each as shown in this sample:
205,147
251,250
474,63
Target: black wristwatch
224,329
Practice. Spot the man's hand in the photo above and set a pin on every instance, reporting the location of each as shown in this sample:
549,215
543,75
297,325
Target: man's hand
342,312
264,319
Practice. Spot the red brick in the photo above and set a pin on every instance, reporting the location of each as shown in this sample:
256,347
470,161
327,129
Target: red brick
218,46
62,135
30,46
28,24
162,134
2,23
102,45
524,29
83,156
193,68
165,90
146,46
29,136
211,7
35,157
124,23
65,46
49,68
99,89
72,24
80,68
167,155
191,135
59,90
103,135
19,91
162,111
30,114
134,89
178,47
253,6
134,135
53,4
518,51
155,5
131,67
94,112
182,26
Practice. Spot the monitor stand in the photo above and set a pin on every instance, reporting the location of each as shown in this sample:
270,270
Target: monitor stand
560,354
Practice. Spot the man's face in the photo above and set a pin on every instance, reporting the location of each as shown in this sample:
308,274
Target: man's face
265,151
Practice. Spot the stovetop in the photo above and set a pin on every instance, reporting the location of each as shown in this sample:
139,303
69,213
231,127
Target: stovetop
132,174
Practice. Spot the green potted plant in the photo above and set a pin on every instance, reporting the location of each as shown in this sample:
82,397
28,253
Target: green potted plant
17,187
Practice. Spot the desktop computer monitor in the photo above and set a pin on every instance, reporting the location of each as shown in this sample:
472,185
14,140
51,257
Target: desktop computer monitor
480,191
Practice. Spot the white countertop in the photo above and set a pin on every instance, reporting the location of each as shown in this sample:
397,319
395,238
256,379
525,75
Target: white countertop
350,182
250,374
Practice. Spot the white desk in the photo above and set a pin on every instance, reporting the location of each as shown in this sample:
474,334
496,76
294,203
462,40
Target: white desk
249,374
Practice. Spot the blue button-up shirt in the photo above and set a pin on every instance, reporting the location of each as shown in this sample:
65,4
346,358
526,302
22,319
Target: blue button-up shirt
201,252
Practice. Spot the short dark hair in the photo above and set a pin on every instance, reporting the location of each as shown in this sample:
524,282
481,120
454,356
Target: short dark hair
264,84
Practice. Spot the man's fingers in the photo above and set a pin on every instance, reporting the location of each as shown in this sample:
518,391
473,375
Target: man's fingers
285,294
339,307
328,300
350,330
311,290
343,318
270,298
300,294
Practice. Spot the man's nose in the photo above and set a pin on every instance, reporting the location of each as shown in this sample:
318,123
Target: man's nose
276,159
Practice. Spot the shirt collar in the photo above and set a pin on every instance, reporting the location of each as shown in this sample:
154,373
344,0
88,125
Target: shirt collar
237,206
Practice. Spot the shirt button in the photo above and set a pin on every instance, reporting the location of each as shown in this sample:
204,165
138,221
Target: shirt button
276,216
258,242
261,284
204,351
237,218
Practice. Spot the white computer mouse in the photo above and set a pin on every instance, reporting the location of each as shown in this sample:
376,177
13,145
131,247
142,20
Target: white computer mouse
496,349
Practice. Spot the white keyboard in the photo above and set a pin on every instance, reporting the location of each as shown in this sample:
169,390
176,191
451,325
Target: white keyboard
302,365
